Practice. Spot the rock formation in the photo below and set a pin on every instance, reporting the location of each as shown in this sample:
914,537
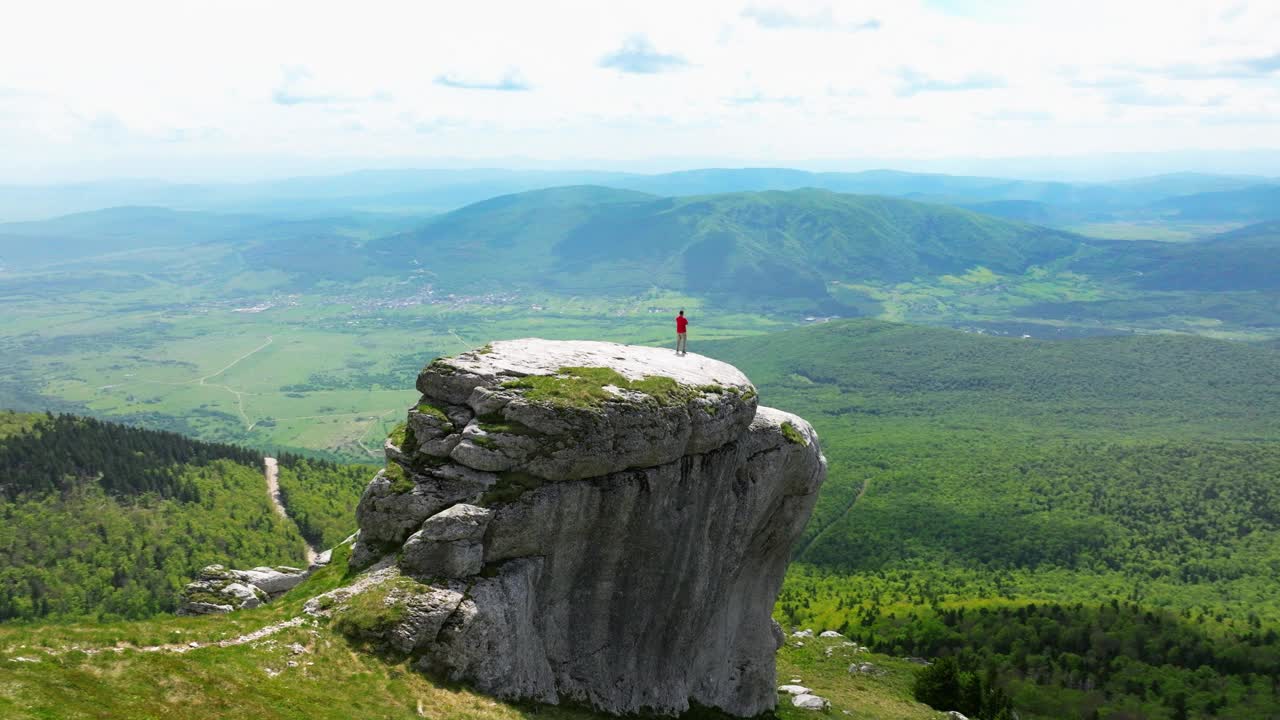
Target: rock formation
220,590
591,523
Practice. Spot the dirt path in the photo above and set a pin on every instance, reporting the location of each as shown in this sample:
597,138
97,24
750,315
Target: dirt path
373,422
235,362
271,469
866,484
239,395
170,647
382,572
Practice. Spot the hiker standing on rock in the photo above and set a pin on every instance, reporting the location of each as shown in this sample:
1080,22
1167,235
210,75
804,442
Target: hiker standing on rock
682,323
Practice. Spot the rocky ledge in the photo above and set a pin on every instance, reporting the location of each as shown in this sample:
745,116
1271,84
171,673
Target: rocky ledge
591,523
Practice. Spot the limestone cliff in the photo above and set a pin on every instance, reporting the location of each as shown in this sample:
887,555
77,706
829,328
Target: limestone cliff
596,523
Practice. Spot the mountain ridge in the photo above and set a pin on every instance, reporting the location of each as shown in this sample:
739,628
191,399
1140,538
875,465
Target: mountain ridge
773,243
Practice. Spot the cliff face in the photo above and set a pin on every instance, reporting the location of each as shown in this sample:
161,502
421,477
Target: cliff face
598,523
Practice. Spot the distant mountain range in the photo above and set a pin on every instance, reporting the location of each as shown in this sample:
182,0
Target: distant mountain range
596,239
435,191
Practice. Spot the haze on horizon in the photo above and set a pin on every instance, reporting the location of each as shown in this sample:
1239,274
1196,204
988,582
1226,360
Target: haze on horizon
246,91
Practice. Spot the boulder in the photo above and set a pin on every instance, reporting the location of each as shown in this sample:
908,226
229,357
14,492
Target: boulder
272,581
810,702
699,404
218,590
602,525
793,689
830,634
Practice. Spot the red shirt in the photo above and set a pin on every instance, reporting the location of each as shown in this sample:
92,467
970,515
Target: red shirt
682,322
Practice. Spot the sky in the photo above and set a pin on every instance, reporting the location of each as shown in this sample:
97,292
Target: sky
249,90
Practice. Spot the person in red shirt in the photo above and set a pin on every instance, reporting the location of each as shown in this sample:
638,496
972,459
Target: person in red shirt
682,323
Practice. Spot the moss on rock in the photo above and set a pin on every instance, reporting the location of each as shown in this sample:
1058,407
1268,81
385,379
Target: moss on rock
510,486
793,434
400,481
584,387
402,437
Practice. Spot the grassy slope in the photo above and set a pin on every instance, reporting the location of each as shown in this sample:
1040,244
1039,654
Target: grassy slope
332,678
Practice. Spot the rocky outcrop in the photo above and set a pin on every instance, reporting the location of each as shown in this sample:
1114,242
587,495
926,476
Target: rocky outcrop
220,590
592,523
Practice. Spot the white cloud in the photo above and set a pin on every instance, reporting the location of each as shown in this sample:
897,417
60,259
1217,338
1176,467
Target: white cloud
182,86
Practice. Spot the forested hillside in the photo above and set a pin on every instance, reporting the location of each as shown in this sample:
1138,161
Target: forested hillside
782,244
110,521
1110,506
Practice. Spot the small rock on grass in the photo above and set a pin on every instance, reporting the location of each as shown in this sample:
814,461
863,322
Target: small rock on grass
810,702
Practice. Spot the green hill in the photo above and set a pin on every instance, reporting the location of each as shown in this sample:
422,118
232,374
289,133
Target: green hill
1241,260
781,244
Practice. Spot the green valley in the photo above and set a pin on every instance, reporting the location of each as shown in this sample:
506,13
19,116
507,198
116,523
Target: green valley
1008,478
1075,497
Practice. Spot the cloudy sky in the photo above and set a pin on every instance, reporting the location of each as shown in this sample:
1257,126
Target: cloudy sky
188,90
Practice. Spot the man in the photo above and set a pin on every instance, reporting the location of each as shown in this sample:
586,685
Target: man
682,322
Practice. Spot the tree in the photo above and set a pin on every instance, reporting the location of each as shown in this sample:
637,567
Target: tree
938,685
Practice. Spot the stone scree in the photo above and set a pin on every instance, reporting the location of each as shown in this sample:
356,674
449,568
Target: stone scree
599,537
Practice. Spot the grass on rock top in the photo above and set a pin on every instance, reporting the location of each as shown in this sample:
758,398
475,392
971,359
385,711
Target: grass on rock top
427,408
584,387
364,616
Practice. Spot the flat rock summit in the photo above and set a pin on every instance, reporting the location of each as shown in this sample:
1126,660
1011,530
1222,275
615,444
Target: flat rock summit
592,523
